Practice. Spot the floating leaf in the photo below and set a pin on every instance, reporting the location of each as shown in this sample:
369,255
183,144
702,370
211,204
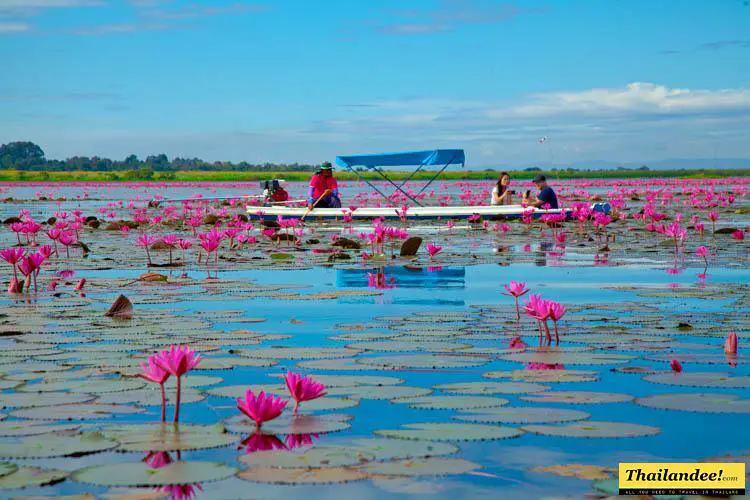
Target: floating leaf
450,432
84,411
296,424
353,380
428,361
150,397
169,437
568,358
432,466
56,446
141,474
578,397
697,402
547,376
25,477
701,379
28,400
7,468
452,402
379,392
317,457
483,387
302,476
91,386
390,449
298,352
407,345
590,472
592,429
524,415
23,428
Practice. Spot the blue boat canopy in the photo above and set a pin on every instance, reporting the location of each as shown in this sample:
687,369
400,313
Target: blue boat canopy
420,158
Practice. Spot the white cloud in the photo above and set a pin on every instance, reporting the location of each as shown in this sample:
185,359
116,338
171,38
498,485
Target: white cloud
13,27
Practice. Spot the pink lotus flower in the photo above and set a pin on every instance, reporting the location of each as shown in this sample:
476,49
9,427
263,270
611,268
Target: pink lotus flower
303,388
155,373
433,250
730,346
177,360
556,312
517,343
701,251
738,234
261,408
12,255
81,283
180,491
52,286
516,289
676,366
560,238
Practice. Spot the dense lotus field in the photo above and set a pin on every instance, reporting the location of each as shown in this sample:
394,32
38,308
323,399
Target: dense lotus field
429,369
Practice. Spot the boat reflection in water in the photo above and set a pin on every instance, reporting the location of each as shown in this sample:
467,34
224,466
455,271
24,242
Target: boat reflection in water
402,277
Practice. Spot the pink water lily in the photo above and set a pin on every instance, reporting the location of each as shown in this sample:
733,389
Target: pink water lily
730,346
303,388
676,366
433,249
516,289
12,255
155,373
261,408
177,361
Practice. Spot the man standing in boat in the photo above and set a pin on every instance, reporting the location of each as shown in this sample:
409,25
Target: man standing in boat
324,190
546,199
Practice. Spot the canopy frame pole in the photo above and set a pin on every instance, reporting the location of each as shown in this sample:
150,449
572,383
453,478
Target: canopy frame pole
366,181
436,175
398,188
409,177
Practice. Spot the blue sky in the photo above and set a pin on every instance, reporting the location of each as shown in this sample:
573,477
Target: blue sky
303,80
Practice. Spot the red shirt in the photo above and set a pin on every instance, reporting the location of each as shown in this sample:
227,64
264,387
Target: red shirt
319,184
280,195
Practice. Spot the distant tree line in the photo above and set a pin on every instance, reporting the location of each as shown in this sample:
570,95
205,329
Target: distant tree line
29,156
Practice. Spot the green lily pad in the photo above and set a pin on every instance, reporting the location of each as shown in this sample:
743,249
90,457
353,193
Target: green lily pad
379,392
483,387
331,381
697,402
452,402
295,424
56,446
25,477
298,352
578,397
94,386
169,437
451,432
140,474
150,397
390,449
302,475
546,376
9,384
432,466
28,400
23,428
425,361
238,391
228,363
345,364
701,379
7,468
523,415
567,358
407,345
316,457
83,411
592,429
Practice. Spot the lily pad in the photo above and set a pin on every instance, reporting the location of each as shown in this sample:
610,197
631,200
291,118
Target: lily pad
590,472
432,466
331,381
227,363
297,424
169,437
524,415
298,352
150,397
592,429
450,432
302,475
578,397
483,387
141,474
697,402
379,392
84,411
23,428
452,402
568,358
7,468
56,446
25,477
28,400
701,379
390,449
317,457
426,361
91,386
547,376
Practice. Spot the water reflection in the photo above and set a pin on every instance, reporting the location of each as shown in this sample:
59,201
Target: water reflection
161,459
384,277
259,441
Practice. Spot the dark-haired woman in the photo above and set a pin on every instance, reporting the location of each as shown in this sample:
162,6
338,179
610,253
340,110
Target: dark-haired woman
501,194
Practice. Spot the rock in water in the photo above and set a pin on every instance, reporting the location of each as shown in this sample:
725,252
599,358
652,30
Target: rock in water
411,246
121,308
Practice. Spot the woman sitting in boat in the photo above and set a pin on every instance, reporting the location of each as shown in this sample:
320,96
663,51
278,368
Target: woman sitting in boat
324,190
501,195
